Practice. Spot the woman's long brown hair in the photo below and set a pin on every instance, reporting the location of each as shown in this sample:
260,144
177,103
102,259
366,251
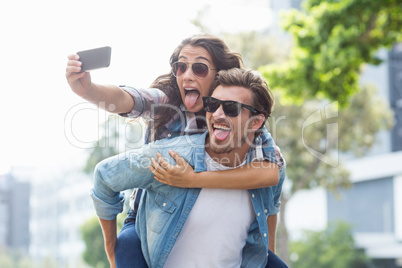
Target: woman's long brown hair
222,58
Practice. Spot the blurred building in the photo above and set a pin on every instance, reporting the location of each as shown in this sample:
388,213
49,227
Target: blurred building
14,213
60,204
374,204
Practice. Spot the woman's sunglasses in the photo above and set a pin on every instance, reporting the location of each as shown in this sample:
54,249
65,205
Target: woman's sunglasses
199,69
230,108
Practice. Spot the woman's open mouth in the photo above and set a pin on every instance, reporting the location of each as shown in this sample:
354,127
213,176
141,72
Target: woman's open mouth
192,96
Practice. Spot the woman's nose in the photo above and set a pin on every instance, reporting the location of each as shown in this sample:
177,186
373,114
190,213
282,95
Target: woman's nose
188,74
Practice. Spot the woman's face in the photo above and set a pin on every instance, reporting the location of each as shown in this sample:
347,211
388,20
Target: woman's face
192,87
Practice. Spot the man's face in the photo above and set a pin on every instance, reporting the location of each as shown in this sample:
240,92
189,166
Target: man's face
228,135
193,88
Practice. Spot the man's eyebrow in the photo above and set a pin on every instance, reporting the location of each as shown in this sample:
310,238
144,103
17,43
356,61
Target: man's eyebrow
198,58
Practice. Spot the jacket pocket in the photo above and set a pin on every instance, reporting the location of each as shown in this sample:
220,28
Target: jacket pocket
161,213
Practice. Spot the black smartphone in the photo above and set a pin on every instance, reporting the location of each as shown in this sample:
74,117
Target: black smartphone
95,58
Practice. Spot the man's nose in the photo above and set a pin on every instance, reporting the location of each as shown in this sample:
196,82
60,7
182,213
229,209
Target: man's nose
219,113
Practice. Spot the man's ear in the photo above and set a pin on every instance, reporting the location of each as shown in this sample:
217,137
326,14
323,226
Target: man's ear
257,122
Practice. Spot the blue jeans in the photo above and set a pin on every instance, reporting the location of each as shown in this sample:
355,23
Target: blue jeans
129,254
128,251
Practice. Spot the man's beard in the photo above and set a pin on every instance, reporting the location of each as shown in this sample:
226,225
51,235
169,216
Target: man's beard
226,148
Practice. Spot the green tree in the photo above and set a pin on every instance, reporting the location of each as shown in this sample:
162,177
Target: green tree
333,39
330,248
258,48
313,134
94,253
91,231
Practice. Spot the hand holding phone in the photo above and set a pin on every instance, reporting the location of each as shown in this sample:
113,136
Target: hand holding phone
95,58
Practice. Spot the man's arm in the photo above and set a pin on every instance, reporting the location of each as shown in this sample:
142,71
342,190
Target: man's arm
109,230
272,221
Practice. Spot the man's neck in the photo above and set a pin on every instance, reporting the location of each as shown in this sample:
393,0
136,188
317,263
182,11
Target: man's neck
229,160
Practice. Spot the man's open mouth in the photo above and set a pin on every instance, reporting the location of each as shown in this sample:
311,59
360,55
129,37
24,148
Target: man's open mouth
221,131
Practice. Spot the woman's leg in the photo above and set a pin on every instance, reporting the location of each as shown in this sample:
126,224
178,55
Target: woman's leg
274,261
128,246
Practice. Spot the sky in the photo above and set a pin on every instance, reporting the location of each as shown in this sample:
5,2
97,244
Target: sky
43,123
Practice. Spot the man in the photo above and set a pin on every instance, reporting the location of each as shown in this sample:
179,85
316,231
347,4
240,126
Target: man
186,227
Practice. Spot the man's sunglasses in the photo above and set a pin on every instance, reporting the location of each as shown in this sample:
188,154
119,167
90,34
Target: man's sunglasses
230,108
199,69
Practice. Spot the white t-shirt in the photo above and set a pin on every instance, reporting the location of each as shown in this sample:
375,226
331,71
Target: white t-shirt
216,229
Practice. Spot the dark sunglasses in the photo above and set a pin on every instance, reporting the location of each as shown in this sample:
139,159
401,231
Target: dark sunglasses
199,69
230,108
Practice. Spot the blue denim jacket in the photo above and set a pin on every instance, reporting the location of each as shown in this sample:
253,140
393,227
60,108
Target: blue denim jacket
164,209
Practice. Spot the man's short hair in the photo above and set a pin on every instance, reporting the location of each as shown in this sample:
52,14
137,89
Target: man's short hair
262,99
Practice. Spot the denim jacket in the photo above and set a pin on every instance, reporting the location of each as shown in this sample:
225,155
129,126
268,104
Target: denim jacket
164,209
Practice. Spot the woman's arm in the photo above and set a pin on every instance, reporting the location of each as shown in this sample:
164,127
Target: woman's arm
108,97
250,176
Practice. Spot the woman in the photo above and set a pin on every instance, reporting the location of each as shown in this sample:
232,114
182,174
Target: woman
176,109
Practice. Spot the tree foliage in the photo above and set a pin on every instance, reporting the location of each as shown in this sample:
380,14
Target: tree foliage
258,49
91,231
330,248
94,253
313,134
332,40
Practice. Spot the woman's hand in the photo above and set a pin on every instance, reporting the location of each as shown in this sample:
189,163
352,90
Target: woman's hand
179,175
79,82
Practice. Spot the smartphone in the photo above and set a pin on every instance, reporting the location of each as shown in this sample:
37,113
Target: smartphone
95,58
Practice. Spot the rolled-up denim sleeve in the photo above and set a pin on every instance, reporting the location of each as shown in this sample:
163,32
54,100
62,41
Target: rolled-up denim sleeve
116,174
108,202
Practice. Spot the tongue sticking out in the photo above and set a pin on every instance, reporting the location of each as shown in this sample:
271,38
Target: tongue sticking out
191,98
221,134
